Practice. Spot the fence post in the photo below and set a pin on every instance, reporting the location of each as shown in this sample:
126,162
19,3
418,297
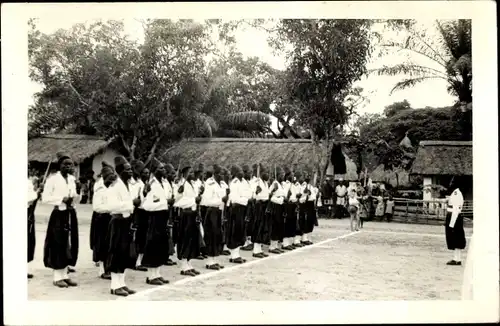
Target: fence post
407,202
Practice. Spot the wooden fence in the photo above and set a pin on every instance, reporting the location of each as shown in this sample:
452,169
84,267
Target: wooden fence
418,211
427,211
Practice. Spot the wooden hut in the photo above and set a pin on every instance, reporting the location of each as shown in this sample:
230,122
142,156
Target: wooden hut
440,161
87,152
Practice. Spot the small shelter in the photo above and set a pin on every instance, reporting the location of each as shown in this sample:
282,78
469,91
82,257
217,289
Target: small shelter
296,153
86,151
438,162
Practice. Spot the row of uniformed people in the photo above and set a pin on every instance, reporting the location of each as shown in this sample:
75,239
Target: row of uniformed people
226,206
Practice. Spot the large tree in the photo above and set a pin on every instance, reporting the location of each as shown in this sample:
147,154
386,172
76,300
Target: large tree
325,58
447,49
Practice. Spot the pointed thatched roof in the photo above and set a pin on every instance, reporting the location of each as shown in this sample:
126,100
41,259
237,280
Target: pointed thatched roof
43,149
443,158
296,153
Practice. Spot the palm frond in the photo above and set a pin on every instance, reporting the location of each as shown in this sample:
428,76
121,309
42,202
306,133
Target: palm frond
205,124
410,82
410,69
246,121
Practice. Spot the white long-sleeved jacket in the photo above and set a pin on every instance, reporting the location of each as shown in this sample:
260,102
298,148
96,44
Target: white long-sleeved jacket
156,199
213,194
120,199
56,188
188,198
278,196
100,200
264,193
296,189
239,192
455,203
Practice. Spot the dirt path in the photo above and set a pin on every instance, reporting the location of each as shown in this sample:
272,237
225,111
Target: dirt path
374,256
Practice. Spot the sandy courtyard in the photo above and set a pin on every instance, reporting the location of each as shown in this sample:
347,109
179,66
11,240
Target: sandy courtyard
385,261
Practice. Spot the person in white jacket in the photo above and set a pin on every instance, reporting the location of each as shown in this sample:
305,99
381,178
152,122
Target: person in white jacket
261,225
61,241
278,196
101,218
188,243
454,227
121,200
156,246
238,197
212,200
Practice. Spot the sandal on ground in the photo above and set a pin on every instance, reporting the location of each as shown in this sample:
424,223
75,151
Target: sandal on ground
120,292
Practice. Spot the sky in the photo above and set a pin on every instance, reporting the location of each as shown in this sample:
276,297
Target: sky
253,42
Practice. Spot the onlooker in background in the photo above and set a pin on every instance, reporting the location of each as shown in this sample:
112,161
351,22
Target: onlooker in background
389,208
84,190
327,196
354,208
91,182
379,211
341,192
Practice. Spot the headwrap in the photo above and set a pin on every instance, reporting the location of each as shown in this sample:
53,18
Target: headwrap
155,164
61,156
185,169
120,161
246,168
254,168
235,169
200,168
217,169
169,167
106,170
137,166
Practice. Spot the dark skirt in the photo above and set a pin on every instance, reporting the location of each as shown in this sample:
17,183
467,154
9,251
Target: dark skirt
310,217
98,233
171,243
225,220
141,223
188,234
236,226
261,232
121,246
301,225
249,219
277,222
175,224
455,237
31,232
290,220
61,241
156,248
212,225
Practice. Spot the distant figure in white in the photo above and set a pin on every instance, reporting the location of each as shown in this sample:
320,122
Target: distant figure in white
354,206
454,227
341,192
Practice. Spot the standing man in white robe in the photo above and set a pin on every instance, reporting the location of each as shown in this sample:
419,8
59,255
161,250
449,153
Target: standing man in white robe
340,192
454,227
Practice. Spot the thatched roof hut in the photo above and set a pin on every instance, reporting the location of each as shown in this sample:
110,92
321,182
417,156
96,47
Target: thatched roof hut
43,149
297,153
443,158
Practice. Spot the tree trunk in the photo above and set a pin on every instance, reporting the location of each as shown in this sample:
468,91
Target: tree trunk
152,151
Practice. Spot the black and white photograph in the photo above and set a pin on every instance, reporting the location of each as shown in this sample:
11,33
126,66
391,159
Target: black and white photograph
225,155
